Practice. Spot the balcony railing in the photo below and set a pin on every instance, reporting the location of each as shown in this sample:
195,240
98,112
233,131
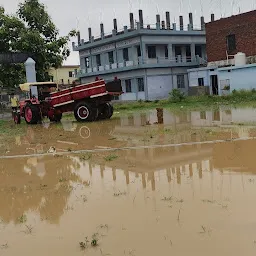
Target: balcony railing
146,62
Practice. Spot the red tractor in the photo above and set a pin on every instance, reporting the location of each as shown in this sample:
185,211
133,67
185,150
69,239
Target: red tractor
89,102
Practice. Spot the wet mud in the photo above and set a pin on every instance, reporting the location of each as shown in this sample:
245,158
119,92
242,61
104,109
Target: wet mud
195,199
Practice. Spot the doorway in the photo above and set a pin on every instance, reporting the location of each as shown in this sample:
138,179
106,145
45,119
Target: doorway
214,85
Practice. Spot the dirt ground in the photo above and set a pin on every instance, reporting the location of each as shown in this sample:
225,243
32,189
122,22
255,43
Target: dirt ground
147,183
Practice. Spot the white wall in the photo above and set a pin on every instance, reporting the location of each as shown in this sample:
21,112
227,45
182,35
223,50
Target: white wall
128,96
141,96
159,87
242,78
194,75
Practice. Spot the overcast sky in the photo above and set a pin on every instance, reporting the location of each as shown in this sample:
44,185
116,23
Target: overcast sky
81,14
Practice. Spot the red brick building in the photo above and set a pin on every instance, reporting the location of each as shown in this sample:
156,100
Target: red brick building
231,35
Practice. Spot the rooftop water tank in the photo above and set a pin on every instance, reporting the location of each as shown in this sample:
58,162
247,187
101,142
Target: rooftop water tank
240,59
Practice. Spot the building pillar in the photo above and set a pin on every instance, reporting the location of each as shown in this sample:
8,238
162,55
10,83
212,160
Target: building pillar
143,52
134,82
170,52
193,51
30,65
183,53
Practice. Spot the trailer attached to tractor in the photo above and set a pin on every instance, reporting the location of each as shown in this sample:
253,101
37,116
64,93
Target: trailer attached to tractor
89,102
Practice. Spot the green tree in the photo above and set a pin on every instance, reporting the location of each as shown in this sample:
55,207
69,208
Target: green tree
32,31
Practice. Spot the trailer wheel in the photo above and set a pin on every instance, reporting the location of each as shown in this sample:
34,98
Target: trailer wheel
84,112
31,114
56,117
105,111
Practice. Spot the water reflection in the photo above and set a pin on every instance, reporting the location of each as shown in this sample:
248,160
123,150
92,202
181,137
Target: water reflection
40,184
45,184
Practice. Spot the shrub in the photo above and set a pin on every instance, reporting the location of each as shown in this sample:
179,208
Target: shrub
176,95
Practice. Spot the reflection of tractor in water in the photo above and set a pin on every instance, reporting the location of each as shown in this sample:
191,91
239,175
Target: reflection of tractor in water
89,102
38,139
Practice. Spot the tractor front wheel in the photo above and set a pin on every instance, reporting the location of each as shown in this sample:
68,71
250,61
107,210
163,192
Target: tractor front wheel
85,112
31,114
105,111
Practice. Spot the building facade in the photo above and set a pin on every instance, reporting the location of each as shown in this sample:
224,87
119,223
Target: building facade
64,75
150,60
231,35
231,53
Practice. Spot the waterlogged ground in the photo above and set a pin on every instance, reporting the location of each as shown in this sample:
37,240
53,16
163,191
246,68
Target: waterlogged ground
182,184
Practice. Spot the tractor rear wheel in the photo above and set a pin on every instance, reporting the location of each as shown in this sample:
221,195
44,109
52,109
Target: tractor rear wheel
105,111
85,112
31,114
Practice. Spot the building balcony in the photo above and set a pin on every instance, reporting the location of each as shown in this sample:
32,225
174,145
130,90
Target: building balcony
178,61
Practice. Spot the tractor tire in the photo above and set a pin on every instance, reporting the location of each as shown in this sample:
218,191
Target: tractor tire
32,114
85,112
56,118
105,111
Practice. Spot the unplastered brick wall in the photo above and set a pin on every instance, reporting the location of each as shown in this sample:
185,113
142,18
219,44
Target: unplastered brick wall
243,26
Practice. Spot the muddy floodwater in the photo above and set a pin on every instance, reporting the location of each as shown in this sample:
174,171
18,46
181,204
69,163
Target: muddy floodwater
149,183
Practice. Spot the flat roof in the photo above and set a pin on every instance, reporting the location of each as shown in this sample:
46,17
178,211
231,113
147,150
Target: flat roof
201,69
237,67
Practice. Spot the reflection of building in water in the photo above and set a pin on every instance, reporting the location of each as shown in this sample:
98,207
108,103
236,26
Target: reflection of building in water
226,118
175,160
187,161
166,117
24,183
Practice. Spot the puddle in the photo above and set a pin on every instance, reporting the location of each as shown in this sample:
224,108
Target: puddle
159,127
192,199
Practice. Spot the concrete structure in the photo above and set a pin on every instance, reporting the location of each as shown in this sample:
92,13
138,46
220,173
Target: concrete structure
222,81
204,77
64,75
30,66
231,35
236,78
150,60
228,42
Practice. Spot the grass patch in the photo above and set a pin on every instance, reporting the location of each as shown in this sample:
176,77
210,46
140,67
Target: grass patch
236,98
110,157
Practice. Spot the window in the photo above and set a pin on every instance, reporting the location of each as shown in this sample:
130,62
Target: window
200,81
62,81
203,115
166,52
180,81
231,43
151,52
138,51
70,74
140,82
216,116
128,85
87,62
177,51
111,57
68,81
125,54
198,51
98,60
